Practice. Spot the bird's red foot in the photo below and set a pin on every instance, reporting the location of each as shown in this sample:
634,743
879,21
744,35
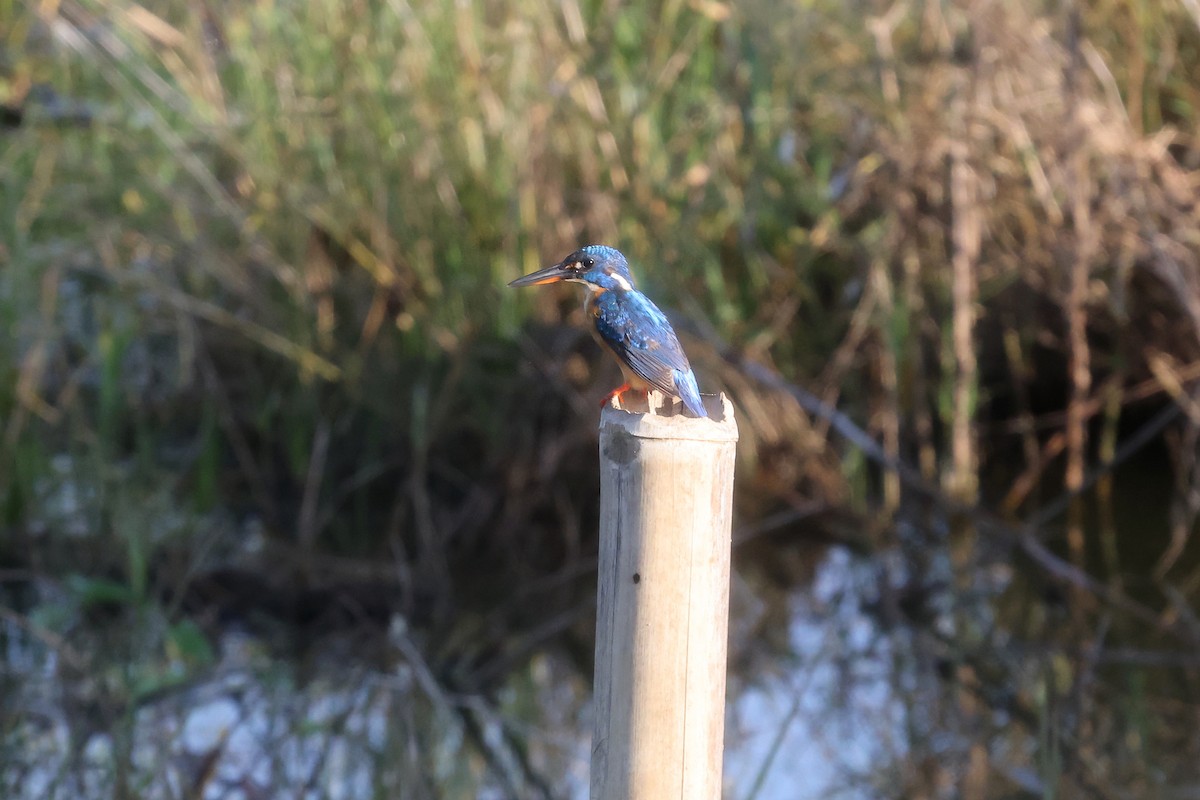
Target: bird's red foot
617,392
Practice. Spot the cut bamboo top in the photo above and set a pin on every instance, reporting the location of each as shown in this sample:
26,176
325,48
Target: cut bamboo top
657,416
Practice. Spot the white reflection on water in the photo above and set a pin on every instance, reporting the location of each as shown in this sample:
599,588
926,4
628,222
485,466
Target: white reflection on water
823,728
825,724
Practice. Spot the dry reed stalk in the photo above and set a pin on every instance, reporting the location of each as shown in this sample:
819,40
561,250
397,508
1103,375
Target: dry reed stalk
1075,301
964,290
889,408
966,240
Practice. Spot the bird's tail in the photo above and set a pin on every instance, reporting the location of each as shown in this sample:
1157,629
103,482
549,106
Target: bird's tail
689,393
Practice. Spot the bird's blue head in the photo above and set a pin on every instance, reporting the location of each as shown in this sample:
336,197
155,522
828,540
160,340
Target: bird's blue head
598,267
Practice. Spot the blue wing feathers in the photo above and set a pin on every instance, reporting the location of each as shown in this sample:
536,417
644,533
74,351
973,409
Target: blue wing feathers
640,335
689,393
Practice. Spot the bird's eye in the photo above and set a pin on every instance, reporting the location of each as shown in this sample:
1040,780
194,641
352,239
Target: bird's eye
589,262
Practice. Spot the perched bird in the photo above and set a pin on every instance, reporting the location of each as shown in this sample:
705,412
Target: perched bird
626,323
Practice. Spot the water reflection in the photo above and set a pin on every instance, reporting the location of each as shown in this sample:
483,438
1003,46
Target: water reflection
807,728
816,729
893,680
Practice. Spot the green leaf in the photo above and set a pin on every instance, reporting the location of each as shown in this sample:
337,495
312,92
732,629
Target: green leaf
91,591
187,642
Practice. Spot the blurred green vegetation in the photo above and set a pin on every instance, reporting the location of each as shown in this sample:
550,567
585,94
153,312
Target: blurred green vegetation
253,262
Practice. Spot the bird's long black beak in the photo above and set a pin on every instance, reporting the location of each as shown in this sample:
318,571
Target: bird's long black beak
548,275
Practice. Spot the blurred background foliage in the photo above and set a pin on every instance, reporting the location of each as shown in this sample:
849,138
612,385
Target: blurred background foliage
261,368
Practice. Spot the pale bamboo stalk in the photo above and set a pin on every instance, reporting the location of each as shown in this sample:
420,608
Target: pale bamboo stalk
666,499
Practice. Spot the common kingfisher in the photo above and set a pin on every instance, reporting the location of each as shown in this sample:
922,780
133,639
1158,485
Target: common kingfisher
626,324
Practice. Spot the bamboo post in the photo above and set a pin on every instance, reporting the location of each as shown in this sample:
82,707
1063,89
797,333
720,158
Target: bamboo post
666,505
